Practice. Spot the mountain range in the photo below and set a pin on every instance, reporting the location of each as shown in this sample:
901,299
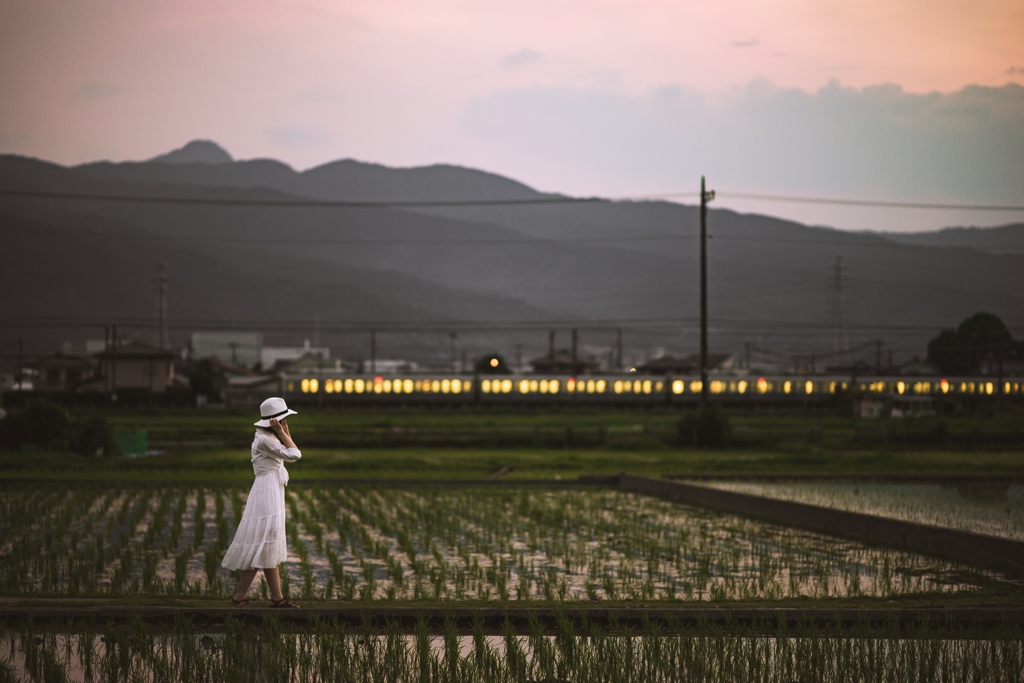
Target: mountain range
335,251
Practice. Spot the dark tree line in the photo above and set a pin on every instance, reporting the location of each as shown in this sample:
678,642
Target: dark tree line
982,339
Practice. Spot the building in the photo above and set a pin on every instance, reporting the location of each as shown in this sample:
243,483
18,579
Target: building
60,372
135,365
271,356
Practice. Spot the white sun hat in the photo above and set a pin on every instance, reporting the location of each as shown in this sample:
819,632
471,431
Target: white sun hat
273,407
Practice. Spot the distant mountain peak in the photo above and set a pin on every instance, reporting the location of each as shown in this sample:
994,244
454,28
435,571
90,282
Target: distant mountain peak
195,152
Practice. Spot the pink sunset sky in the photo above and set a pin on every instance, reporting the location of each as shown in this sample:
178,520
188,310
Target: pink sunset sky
907,100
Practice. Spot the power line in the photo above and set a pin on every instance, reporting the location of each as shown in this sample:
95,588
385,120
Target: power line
435,203
871,202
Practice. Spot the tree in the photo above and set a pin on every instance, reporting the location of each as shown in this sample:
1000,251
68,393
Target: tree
983,336
207,379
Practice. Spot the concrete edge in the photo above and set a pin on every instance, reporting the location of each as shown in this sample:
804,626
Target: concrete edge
990,552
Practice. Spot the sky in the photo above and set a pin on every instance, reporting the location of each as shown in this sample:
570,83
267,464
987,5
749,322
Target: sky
891,100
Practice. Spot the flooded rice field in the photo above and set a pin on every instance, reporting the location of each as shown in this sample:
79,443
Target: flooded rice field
992,509
570,652
486,544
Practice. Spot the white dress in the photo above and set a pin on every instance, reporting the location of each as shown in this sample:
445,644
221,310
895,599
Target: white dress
260,541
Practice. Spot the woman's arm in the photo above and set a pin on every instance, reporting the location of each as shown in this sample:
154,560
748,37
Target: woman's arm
287,449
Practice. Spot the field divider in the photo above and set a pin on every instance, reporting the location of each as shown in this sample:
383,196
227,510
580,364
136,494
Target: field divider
895,478
990,552
968,620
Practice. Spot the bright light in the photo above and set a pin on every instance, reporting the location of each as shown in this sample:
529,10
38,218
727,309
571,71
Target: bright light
305,386
944,386
506,386
808,387
494,362
360,386
678,386
762,385
900,387
314,386
524,386
446,386
553,386
601,385
741,387
456,386
408,386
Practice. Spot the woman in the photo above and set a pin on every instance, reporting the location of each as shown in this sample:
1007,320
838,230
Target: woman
260,541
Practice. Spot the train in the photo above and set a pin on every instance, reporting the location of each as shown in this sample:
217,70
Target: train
333,387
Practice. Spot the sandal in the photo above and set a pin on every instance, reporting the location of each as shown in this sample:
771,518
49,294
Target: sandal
283,602
239,603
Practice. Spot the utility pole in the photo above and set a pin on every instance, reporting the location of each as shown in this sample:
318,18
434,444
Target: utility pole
161,307
618,349
373,351
705,197
574,351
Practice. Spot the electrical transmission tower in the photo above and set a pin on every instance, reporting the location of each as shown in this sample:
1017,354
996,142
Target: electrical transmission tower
840,337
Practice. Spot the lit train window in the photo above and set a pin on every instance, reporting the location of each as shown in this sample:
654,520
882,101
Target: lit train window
944,386
989,388
900,387
553,386
407,386
305,386
524,386
543,386
696,386
809,387
506,386
570,385
589,384
485,386
787,387
314,385
534,386
762,385
456,386
291,387
741,386
717,386
338,386
678,386
435,386
329,387
446,386
360,385
832,387
378,387
659,386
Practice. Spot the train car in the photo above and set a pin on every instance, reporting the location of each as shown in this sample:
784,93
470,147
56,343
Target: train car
332,387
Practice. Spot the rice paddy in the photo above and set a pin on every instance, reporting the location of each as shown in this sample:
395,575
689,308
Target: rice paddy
444,544
657,651
996,510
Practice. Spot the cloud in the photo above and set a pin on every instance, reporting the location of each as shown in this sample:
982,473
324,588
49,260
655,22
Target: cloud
96,90
878,141
745,43
517,60
296,137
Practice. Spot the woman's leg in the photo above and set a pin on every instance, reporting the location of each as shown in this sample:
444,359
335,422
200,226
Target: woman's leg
244,581
274,583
